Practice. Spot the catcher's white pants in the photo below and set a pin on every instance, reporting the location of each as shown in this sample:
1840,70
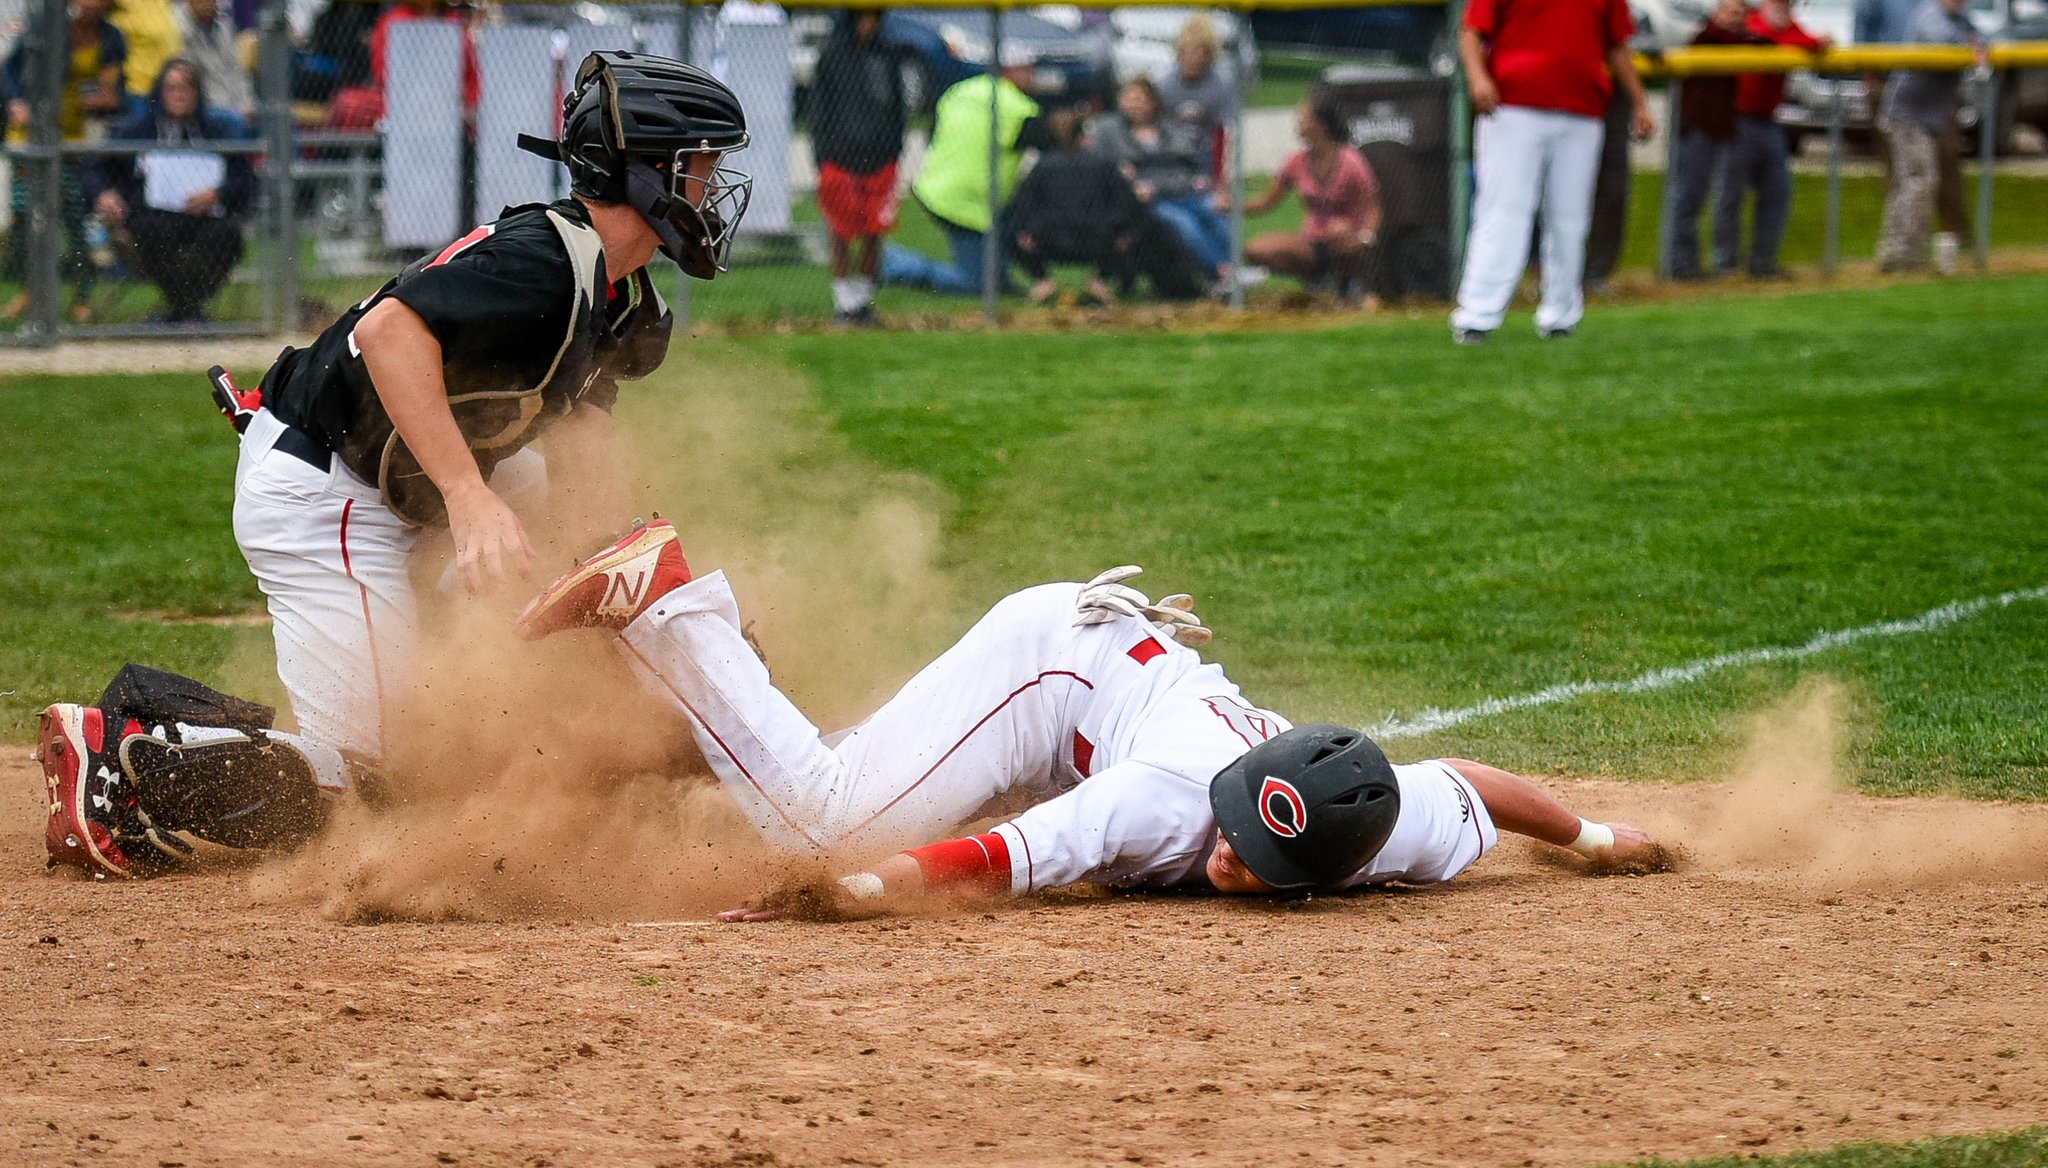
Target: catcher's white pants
333,561
331,558
960,733
1526,158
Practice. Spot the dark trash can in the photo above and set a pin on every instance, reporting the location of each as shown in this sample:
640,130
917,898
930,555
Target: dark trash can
1400,120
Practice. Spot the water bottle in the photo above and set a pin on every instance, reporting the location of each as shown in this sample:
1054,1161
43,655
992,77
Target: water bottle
97,243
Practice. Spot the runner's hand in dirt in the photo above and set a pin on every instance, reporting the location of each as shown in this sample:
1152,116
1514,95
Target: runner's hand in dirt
1635,854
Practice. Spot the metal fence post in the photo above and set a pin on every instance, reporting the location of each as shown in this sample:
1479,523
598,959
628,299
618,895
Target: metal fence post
991,264
281,156
684,47
1237,190
1831,232
46,218
1461,146
1667,216
1987,162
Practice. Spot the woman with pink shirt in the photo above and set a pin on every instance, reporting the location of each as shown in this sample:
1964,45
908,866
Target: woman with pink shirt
1341,201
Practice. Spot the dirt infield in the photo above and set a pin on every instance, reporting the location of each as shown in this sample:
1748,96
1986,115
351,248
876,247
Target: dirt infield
1522,1015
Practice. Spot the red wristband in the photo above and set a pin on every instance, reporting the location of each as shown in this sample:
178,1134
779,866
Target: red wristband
979,861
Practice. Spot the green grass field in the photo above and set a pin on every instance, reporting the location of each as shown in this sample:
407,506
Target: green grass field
2021,1149
1378,522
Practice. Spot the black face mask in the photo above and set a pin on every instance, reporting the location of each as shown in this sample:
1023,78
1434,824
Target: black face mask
696,236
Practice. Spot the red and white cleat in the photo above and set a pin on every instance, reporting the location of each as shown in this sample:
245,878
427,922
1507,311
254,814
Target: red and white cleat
86,789
612,587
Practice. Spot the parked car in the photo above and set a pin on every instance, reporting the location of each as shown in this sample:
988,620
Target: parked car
1400,34
1666,24
2022,93
1075,60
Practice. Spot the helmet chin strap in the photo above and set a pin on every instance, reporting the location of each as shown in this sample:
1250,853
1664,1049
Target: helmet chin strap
647,192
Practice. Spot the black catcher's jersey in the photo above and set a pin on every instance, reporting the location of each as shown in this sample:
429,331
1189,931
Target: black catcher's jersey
529,326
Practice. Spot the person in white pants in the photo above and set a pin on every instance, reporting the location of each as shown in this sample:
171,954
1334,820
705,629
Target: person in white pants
411,411
1541,73
1086,703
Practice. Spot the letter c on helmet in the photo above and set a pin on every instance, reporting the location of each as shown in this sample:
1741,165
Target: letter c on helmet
1281,808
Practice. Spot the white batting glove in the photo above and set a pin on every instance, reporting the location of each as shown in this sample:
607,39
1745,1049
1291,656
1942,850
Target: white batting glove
1107,597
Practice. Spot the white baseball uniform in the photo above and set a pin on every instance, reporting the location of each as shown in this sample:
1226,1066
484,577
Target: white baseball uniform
1110,732
1524,159
1548,62
332,561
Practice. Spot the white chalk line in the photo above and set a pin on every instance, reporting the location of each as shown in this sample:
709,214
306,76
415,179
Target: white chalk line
1432,720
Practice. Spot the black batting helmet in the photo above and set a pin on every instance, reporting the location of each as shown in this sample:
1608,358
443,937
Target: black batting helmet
1307,808
628,129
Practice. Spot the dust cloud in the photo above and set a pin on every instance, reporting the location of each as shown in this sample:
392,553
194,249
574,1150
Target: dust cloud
542,780
1788,811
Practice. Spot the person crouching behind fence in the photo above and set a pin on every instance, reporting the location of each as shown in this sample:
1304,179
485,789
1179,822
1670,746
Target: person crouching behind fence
1341,214
954,184
181,206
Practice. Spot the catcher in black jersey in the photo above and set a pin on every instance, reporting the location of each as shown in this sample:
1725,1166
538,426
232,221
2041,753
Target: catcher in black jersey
415,409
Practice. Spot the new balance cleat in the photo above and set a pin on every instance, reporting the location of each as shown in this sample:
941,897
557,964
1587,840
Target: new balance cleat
611,588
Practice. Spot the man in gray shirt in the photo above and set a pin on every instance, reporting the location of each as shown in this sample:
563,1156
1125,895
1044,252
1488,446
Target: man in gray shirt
210,46
1919,107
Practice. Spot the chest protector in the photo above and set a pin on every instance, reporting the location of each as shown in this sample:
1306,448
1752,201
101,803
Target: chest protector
602,345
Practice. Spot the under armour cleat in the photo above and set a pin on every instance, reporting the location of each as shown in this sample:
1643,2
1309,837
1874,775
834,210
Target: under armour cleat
88,794
611,588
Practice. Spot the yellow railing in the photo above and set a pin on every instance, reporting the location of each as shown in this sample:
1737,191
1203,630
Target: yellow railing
1245,5
1712,60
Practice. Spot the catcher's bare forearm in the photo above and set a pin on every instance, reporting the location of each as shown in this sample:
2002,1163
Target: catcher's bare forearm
404,360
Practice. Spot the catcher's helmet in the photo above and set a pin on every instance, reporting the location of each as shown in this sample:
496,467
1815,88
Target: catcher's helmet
628,129
1307,808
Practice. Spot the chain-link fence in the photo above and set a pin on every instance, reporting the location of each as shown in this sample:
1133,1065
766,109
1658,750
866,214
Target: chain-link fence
907,161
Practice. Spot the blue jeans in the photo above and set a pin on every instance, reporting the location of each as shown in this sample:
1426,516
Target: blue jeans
1758,161
960,277
1700,160
1205,233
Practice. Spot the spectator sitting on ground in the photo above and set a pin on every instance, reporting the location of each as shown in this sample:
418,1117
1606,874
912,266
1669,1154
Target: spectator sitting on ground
1198,92
1074,207
953,186
95,52
1163,161
1706,131
182,207
1341,209
1759,161
857,114
211,46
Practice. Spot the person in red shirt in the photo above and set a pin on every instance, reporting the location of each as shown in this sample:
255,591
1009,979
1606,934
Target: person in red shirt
1706,134
1541,73
1340,202
361,107
1758,160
